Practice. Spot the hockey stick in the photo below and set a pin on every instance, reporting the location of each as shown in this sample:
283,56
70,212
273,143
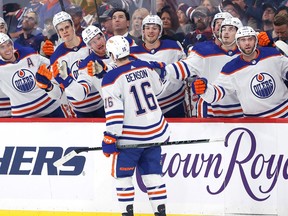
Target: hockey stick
282,46
62,5
73,153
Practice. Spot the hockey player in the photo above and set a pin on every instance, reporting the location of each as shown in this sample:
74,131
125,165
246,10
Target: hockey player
256,76
17,77
71,52
90,98
153,49
207,62
133,116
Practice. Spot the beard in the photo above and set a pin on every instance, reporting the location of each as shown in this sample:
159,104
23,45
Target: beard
267,22
201,26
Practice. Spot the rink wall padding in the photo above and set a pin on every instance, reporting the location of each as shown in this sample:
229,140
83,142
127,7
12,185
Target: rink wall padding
244,174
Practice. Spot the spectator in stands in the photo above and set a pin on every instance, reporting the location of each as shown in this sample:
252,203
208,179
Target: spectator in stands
282,10
76,13
120,25
184,21
30,36
106,23
136,25
235,10
49,9
280,26
212,6
201,19
170,24
269,11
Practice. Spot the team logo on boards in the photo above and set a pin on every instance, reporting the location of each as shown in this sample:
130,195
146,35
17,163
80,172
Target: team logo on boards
262,85
23,81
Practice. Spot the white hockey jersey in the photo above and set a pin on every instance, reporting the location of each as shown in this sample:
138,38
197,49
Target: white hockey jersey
17,81
206,60
168,52
131,107
5,106
258,84
72,57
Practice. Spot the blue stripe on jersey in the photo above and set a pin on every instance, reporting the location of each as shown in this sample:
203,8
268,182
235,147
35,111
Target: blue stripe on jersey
62,50
125,189
125,200
110,77
158,198
156,187
115,112
114,123
176,70
5,109
32,102
186,68
5,99
284,103
145,139
238,63
164,45
144,127
36,111
171,95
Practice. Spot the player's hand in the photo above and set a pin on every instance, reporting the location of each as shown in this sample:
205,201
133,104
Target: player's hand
62,74
161,68
48,48
109,144
199,86
97,68
264,39
43,78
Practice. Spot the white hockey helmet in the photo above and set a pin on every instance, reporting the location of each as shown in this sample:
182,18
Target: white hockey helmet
89,33
61,17
2,22
4,38
153,19
246,31
118,46
233,21
220,15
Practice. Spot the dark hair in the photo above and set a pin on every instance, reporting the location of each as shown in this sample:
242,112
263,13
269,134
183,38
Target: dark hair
121,10
173,16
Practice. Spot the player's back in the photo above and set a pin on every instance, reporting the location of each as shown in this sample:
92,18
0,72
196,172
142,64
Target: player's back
133,88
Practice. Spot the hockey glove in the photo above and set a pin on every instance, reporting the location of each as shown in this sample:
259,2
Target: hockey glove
265,39
48,48
62,74
161,68
109,144
97,68
43,78
199,86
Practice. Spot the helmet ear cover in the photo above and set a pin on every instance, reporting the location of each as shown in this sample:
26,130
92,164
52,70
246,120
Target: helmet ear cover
118,46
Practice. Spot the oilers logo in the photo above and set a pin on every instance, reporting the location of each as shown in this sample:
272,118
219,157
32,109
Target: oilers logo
262,85
74,69
23,81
